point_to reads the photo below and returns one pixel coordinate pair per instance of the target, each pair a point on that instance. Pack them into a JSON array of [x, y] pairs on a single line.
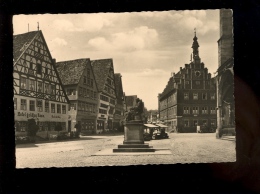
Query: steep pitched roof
[[101, 69], [119, 88], [22, 41], [129, 100], [70, 72]]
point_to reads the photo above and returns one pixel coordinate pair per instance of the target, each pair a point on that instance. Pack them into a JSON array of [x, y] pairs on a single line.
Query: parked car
[[160, 134]]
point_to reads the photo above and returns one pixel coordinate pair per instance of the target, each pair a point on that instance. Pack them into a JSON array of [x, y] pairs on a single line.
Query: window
[[88, 81], [71, 92], [204, 96], [39, 68], [32, 85], [104, 98], [31, 66], [91, 83], [195, 110], [58, 108], [84, 80], [52, 108], [53, 89], [23, 104], [88, 72], [46, 106], [204, 110], [88, 91], [204, 122], [15, 103], [195, 96], [102, 111], [85, 92], [39, 86], [212, 96], [46, 71], [195, 123], [186, 123], [213, 122], [32, 105], [72, 106], [186, 110], [103, 105], [39, 105], [80, 91], [23, 83], [197, 82], [46, 88], [111, 110], [186, 96], [212, 110]]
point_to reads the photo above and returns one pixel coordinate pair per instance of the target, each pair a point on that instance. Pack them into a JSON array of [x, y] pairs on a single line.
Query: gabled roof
[[70, 72], [21, 41], [129, 100], [101, 69], [119, 88]]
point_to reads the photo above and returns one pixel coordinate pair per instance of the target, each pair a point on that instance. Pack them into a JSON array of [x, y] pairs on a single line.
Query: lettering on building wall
[[28, 115]]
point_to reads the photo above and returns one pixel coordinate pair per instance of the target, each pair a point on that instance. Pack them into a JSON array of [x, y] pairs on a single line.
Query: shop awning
[[161, 125], [150, 125]]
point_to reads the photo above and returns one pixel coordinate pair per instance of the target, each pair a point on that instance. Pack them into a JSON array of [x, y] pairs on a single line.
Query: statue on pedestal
[[135, 113]]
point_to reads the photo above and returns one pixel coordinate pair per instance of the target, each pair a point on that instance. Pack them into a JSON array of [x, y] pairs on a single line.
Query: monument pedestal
[[134, 140]]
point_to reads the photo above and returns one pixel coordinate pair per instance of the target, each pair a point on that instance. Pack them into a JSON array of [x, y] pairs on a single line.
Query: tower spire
[[195, 47]]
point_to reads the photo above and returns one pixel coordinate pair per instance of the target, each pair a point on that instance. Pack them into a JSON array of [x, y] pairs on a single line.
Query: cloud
[[137, 39], [59, 42], [65, 25]]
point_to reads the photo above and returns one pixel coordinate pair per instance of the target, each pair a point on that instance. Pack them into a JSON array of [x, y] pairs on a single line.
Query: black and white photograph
[[120, 89]]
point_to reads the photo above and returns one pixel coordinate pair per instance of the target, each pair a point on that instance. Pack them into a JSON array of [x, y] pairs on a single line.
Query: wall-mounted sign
[[28, 115]]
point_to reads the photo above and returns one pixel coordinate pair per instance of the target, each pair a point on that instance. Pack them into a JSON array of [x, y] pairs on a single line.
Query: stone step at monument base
[[134, 150], [134, 146]]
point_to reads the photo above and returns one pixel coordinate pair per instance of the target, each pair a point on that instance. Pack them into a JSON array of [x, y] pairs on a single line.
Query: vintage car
[[160, 134], [148, 131]]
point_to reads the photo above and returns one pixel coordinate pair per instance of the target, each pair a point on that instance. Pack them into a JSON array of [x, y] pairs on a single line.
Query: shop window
[[23, 83], [186, 123], [23, 104], [195, 96], [46, 106], [32, 85], [39, 105], [195, 123], [32, 105], [204, 96], [213, 122], [204, 110], [195, 110], [186, 96], [52, 108], [15, 103], [58, 108], [204, 122]]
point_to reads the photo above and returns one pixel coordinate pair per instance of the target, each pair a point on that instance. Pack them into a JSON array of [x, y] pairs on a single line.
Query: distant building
[[152, 116], [79, 82], [189, 98], [119, 108], [225, 77], [105, 78], [38, 91]]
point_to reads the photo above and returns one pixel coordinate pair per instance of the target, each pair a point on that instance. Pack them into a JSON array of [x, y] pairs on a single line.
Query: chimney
[[180, 68], [202, 65]]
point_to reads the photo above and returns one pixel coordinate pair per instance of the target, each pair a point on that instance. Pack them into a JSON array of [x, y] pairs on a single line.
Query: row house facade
[[79, 82], [119, 108], [105, 78], [38, 91], [189, 98], [225, 76]]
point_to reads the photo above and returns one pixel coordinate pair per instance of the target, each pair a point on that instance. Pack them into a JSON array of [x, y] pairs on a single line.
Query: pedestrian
[[78, 129]]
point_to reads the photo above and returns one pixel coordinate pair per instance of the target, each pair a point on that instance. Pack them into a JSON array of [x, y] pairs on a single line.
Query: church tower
[[195, 47]]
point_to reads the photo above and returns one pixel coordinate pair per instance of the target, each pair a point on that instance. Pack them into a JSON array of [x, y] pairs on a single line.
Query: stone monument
[[133, 131]]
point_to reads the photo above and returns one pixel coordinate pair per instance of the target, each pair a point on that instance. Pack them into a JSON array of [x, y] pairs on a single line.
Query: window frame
[[31, 105]]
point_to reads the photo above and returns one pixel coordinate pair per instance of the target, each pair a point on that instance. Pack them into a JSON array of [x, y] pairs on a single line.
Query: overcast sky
[[145, 46]]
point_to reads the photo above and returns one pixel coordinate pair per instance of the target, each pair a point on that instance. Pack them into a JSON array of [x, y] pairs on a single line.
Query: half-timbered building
[[38, 92], [78, 80], [104, 75]]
